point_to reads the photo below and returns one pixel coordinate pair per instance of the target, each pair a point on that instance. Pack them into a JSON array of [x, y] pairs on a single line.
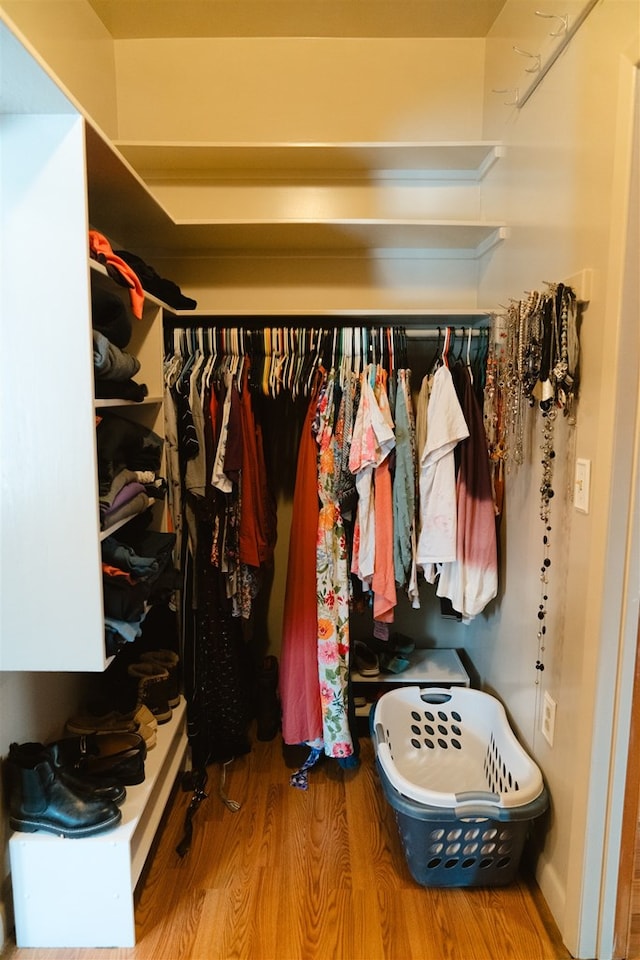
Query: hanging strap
[[197, 781]]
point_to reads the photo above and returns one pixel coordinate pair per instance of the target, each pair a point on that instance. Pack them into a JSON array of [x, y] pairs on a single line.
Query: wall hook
[[516, 96], [533, 56], [564, 21]]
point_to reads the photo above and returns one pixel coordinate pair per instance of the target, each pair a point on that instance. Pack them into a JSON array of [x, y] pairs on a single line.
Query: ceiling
[[137, 19]]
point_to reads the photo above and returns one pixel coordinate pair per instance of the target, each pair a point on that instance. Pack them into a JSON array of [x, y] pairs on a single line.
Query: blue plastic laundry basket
[[463, 790]]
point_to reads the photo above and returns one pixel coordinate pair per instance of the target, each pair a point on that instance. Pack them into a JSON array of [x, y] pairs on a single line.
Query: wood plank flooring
[[315, 875], [633, 942]]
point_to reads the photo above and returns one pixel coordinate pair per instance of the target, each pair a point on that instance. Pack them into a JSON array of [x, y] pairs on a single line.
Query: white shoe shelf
[[79, 893], [438, 667]]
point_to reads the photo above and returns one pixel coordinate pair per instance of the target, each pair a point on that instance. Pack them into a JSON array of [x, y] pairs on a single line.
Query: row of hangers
[[287, 358], [454, 346]]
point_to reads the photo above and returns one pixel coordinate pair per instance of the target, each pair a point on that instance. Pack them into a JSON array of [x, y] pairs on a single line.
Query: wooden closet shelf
[[463, 239], [431, 160], [416, 321]]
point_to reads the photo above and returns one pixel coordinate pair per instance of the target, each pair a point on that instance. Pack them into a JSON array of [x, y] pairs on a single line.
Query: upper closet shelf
[[433, 239], [443, 160], [417, 322]]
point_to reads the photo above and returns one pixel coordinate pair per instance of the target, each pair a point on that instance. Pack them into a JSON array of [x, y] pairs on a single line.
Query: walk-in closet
[[271, 241]]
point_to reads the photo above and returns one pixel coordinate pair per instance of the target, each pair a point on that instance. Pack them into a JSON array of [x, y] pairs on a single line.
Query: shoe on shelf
[[393, 663], [147, 725], [153, 688], [365, 660], [83, 783], [105, 756], [39, 799], [398, 643], [171, 663], [140, 720], [111, 722], [401, 644]]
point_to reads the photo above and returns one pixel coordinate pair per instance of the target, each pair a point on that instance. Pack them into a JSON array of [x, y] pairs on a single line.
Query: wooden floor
[[633, 944], [315, 875]]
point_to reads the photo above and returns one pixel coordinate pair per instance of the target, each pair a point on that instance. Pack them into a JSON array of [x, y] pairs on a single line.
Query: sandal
[[365, 660], [394, 663]]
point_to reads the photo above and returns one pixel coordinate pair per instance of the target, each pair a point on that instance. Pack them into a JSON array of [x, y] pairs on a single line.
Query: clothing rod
[[429, 333], [567, 37], [411, 333]]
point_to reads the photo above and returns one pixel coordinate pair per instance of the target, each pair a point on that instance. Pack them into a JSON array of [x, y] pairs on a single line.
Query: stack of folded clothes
[[165, 290], [114, 368], [129, 460], [137, 572]]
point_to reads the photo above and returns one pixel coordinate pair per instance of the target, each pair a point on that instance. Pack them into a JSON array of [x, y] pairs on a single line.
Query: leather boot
[[41, 800], [83, 783], [153, 688], [169, 661], [105, 757], [268, 704]]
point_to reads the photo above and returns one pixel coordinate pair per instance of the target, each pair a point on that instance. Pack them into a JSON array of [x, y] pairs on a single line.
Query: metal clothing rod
[[432, 333], [567, 37]]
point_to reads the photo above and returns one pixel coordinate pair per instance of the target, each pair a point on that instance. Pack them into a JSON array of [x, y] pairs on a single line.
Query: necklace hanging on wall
[[554, 390], [534, 367], [546, 496]]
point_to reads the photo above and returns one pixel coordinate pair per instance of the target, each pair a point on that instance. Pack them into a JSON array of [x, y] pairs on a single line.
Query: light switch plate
[[548, 724], [582, 485]]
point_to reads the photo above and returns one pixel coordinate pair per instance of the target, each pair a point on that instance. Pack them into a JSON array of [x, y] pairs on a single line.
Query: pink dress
[[299, 687]]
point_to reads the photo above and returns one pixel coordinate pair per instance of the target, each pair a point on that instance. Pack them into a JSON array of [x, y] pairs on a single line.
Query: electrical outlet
[[582, 485], [548, 723]]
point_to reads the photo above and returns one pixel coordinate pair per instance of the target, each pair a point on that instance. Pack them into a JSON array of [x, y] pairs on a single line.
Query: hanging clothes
[[471, 581], [374, 495], [446, 426], [383, 580], [373, 438], [299, 689], [404, 490], [332, 584], [217, 691], [223, 551], [258, 523]]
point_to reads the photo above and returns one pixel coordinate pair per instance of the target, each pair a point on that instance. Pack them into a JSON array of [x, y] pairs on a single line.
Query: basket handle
[[378, 733], [479, 796], [435, 698]]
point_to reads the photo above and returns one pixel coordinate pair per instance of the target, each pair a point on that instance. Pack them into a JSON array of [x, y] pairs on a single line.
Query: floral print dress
[[332, 578]]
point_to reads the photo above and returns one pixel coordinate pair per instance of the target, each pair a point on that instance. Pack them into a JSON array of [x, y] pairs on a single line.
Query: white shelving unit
[[438, 667], [51, 599], [66, 892], [146, 345], [79, 893], [263, 224], [428, 160]]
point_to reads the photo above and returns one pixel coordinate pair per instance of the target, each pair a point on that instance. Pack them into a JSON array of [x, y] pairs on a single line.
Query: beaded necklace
[[533, 366]]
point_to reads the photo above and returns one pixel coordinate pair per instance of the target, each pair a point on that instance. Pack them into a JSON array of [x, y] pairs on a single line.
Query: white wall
[[317, 89], [558, 190], [69, 37], [253, 90]]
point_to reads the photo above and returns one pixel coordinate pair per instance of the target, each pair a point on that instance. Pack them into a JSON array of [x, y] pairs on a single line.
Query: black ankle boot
[[268, 704], [82, 782], [40, 800]]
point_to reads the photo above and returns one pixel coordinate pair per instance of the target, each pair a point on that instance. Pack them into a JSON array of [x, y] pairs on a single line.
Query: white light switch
[[582, 485]]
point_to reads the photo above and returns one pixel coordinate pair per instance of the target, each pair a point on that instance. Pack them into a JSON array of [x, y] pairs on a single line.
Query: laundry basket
[[463, 790]]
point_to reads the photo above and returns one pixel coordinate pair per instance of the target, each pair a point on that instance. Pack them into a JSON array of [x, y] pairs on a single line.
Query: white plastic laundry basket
[[451, 748]]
